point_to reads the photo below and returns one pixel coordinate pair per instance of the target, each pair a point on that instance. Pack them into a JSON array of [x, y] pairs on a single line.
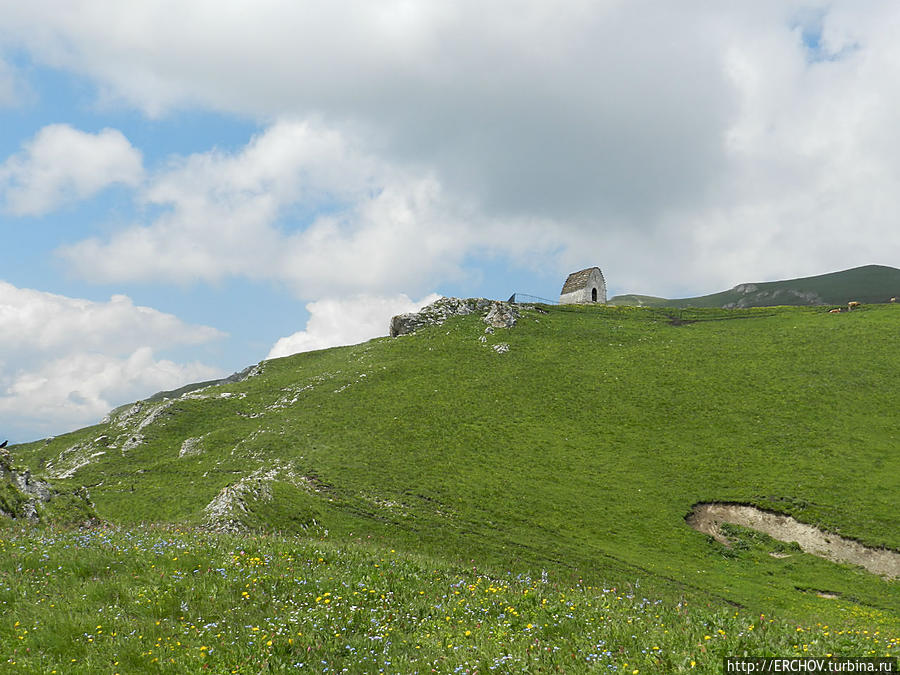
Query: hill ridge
[[867, 283]]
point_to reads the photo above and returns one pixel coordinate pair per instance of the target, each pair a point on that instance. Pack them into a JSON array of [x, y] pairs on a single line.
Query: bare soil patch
[[708, 517]]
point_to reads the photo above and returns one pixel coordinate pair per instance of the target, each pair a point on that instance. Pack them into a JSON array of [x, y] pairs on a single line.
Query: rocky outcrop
[[753, 297], [23, 493], [230, 510], [181, 392], [225, 512], [501, 315], [191, 446], [24, 496], [497, 314]]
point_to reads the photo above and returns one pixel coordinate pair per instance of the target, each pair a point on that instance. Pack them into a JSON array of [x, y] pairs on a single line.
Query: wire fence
[[526, 298]]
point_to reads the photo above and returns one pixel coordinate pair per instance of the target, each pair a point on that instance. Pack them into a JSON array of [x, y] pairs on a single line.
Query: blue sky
[[207, 186]]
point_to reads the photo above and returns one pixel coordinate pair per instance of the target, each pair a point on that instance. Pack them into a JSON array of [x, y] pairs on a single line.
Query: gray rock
[[132, 443], [30, 486], [30, 512], [501, 315], [28, 492], [191, 446], [496, 313]]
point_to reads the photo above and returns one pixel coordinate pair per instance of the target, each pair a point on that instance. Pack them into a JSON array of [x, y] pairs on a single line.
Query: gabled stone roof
[[577, 280]]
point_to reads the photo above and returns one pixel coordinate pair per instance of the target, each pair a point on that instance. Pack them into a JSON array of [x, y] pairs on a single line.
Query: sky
[[189, 187]]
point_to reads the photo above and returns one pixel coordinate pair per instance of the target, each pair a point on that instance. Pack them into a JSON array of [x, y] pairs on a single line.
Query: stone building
[[584, 287]]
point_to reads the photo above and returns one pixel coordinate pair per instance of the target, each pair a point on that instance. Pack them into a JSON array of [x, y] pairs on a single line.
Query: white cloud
[[10, 85], [35, 320], [71, 392], [301, 204], [346, 321], [680, 146], [61, 165], [528, 107], [65, 362]]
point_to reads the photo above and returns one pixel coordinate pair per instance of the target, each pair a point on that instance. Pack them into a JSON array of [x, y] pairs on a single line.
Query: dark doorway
[[593, 295]]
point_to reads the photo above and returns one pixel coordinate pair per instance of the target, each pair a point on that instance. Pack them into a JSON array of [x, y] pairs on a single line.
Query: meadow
[[173, 600], [577, 453]]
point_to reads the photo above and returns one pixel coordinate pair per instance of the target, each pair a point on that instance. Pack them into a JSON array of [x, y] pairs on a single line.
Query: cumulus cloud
[[301, 204], [681, 147], [65, 362], [62, 164], [346, 321], [598, 107]]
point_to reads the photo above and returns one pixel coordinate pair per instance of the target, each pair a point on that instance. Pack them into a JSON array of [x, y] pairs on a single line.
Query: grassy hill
[[868, 284], [581, 449]]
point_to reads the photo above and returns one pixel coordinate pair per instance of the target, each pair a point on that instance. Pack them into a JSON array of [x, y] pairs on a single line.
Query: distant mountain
[[867, 284]]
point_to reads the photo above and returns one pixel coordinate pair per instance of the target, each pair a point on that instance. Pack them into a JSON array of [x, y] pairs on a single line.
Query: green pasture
[[170, 600], [579, 451]]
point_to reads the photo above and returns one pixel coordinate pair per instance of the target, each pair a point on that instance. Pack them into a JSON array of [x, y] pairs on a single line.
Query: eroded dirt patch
[[708, 517]]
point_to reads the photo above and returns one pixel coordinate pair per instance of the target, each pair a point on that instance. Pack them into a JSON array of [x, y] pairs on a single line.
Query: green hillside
[[170, 600], [580, 450], [868, 284]]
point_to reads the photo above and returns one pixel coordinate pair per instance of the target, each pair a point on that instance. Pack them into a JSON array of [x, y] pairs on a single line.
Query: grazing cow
[[853, 304], [835, 311]]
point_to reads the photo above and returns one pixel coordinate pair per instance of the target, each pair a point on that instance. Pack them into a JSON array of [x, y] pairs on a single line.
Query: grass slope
[[168, 600], [868, 284], [579, 451]]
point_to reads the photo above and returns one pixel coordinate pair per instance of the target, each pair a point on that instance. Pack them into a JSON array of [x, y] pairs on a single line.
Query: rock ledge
[[497, 314]]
